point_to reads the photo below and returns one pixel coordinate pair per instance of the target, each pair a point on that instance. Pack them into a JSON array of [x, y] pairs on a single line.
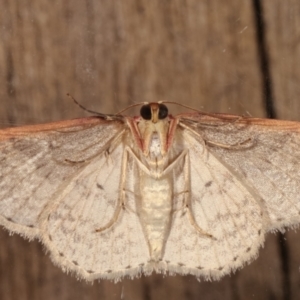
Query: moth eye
[[145, 112], [163, 111]]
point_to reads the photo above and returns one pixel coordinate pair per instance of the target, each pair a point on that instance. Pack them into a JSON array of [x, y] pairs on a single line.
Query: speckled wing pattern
[[87, 203], [238, 180], [244, 181], [34, 166], [264, 157], [223, 207]]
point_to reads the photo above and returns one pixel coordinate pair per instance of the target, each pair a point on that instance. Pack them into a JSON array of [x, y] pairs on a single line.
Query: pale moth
[[112, 196]]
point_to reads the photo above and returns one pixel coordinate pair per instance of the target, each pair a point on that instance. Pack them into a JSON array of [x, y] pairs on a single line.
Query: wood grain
[[109, 54]]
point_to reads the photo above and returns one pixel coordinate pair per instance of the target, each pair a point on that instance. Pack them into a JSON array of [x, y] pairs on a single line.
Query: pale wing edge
[[26, 232], [163, 268]]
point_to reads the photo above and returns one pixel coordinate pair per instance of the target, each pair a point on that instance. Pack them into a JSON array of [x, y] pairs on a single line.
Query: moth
[[112, 195]]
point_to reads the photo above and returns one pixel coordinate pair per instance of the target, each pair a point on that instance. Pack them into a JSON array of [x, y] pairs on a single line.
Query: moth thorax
[[155, 145]]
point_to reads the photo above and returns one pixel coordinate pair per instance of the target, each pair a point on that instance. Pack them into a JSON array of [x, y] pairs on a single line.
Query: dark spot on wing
[[235, 258], [51, 146], [199, 267], [30, 226], [243, 173], [40, 166], [90, 271], [61, 254], [128, 267], [100, 186], [183, 213], [266, 160], [208, 183], [259, 232], [75, 262], [180, 264], [50, 237], [10, 220], [220, 268], [108, 271], [279, 219], [20, 147], [248, 249]]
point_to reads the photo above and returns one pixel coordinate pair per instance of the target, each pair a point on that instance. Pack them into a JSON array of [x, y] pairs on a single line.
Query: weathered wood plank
[[283, 33]]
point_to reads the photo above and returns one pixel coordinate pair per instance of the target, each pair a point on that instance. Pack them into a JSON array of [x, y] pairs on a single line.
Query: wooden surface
[[211, 55]]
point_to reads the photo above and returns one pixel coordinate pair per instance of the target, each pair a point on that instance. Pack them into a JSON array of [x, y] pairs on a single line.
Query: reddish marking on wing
[[270, 124], [171, 133], [132, 123], [81, 123]]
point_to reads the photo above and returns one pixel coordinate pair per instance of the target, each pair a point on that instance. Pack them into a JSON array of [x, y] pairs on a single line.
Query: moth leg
[[121, 198], [181, 205], [128, 208], [141, 165], [170, 167], [187, 202], [237, 146]]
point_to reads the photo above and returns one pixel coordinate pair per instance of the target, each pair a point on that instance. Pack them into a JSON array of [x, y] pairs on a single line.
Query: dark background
[[218, 56]]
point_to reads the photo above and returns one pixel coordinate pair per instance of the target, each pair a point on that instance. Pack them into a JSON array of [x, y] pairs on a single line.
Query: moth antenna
[[182, 105], [105, 116], [82, 107], [162, 101], [214, 115], [131, 106]]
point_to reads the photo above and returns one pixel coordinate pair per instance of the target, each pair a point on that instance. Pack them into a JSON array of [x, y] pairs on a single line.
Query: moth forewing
[[34, 165], [269, 166]]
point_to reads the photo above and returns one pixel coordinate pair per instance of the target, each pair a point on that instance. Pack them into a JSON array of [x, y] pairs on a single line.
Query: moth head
[[153, 126], [154, 112]]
